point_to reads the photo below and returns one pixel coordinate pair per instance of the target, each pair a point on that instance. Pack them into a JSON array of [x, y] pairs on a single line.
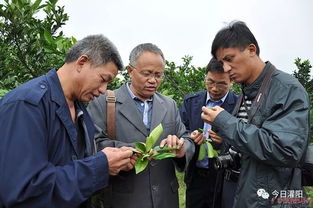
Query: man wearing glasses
[[139, 109], [204, 183]]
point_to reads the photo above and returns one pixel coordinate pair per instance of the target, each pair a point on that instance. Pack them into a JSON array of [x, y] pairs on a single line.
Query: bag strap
[[260, 96], [111, 100]]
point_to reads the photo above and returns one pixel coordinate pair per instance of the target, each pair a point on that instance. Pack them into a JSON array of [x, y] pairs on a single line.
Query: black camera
[[228, 160]]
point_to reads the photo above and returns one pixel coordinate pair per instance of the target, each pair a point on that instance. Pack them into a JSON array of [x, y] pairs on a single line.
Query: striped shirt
[[244, 108]]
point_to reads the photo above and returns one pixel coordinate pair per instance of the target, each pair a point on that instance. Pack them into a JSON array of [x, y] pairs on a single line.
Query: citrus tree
[[30, 45]]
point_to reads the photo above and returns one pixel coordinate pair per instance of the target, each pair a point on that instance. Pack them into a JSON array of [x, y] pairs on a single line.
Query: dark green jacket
[[271, 147]]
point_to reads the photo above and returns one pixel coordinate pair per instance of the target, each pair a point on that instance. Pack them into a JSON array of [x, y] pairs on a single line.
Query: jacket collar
[[63, 112], [130, 112], [252, 90]]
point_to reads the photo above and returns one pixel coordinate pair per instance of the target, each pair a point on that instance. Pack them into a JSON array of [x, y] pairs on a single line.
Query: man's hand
[[209, 114], [133, 159], [175, 142], [215, 138], [118, 159], [197, 137]]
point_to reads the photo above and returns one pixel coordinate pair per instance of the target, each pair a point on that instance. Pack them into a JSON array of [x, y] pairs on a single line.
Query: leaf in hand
[[153, 137], [141, 164], [211, 151], [164, 155], [201, 152], [140, 146], [164, 149]]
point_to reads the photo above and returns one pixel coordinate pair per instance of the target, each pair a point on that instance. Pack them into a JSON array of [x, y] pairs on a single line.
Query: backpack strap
[[111, 100]]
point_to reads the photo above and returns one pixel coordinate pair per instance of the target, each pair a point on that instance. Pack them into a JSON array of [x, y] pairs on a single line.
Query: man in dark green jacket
[[270, 128]]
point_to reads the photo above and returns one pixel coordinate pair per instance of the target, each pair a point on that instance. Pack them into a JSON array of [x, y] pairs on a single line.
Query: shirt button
[[154, 188], [42, 86], [142, 104]]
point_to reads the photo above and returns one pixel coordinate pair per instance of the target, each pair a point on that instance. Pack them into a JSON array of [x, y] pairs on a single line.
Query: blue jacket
[[190, 113], [38, 149]]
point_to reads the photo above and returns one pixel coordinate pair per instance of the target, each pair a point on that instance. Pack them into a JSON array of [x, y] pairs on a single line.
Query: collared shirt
[[209, 103], [143, 107]]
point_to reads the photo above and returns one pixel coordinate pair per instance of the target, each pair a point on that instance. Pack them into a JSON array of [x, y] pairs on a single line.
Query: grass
[[181, 190]]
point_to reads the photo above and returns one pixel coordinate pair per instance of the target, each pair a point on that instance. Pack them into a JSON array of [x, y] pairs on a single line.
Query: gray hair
[[99, 49], [139, 49]]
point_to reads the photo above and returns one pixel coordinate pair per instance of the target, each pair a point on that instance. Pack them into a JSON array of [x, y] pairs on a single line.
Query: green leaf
[[140, 146], [201, 152], [154, 136], [48, 36], [141, 164], [211, 151], [35, 5], [164, 155], [200, 130], [164, 149]]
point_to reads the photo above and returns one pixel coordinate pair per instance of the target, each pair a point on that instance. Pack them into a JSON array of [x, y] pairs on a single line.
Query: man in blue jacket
[[47, 156], [203, 181]]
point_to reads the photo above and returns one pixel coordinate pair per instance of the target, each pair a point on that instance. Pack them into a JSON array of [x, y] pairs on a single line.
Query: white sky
[[283, 28]]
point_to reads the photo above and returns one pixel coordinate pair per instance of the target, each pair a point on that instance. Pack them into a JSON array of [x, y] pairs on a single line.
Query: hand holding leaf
[[211, 152], [197, 136], [172, 141], [146, 152]]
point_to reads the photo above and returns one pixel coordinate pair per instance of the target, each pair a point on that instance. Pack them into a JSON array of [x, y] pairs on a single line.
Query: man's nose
[[103, 88], [226, 67]]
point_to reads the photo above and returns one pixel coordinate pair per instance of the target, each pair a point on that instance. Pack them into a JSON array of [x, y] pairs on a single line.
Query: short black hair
[[215, 66], [235, 35]]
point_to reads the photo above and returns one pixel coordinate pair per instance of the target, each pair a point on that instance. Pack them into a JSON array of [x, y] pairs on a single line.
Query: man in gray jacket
[[270, 129], [139, 109]]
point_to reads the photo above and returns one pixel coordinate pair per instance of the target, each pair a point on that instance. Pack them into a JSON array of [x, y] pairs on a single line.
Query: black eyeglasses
[[212, 83], [150, 75]]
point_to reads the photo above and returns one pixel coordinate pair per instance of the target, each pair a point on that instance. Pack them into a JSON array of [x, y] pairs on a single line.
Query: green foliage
[[210, 152], [29, 45], [3, 92], [304, 77], [147, 152], [182, 80]]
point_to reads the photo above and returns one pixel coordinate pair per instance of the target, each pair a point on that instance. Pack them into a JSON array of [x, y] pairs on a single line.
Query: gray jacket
[[156, 186], [271, 147]]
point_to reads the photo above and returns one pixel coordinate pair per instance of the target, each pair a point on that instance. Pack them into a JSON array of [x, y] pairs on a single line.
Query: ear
[[129, 69], [82, 60], [252, 49]]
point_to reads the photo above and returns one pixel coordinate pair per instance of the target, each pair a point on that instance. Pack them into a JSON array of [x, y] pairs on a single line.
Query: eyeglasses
[[212, 83], [150, 75]]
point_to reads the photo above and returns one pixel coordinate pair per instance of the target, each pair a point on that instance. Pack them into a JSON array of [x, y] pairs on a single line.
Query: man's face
[[217, 84], [94, 80], [237, 63], [146, 74]]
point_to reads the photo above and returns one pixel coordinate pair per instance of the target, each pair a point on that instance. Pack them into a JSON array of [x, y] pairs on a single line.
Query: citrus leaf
[[163, 155], [140, 146], [153, 137], [141, 164], [164, 149], [211, 152], [200, 130], [201, 152]]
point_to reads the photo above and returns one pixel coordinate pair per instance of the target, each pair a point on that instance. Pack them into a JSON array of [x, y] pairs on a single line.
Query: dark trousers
[[228, 196], [204, 189]]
